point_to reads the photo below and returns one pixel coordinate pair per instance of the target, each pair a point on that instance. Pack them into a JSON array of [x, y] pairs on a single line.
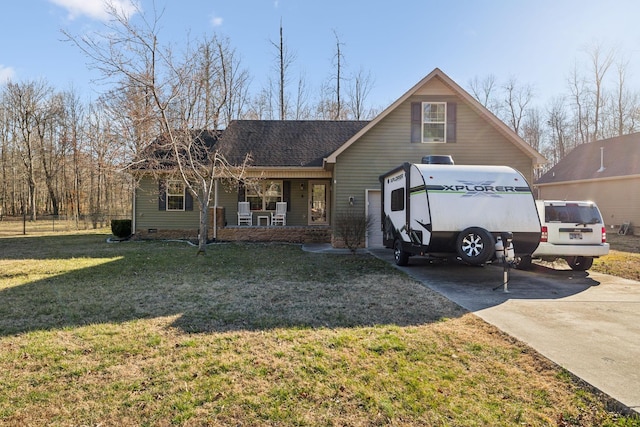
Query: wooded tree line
[[599, 102], [61, 155], [58, 156]]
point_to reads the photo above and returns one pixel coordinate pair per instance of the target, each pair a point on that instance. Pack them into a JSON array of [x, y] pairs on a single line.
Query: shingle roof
[[158, 155], [292, 143], [620, 157]]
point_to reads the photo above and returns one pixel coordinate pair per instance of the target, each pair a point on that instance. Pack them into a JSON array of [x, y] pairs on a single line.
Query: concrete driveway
[[587, 323]]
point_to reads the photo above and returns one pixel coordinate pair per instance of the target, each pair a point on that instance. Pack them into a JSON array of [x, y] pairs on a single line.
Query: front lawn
[[147, 333]]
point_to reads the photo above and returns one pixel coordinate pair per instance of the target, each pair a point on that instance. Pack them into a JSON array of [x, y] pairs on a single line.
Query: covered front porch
[[306, 193]]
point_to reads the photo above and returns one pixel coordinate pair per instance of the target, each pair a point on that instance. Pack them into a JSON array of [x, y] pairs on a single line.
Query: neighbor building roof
[[607, 158], [285, 143]]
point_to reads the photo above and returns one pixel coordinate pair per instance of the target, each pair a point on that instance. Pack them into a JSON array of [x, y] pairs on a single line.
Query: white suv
[[573, 230]]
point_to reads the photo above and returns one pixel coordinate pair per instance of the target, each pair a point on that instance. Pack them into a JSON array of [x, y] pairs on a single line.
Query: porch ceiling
[[302, 173]]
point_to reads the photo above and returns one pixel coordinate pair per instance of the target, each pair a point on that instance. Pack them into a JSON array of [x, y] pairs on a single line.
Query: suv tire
[[579, 263], [524, 263]]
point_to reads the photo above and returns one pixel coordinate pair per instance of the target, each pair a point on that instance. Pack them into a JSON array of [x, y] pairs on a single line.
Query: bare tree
[[517, 100], [589, 95], [532, 129], [285, 59], [72, 127], [131, 110], [338, 57], [484, 90], [27, 103], [261, 107], [359, 88], [187, 94], [579, 97], [600, 63], [5, 161], [624, 103], [51, 148], [558, 124], [302, 110], [238, 80]]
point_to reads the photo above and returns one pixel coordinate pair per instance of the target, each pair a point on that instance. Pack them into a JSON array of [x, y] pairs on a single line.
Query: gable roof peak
[[536, 157]]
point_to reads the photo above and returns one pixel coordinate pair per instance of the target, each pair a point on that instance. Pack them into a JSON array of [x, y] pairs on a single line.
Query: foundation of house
[[289, 234]]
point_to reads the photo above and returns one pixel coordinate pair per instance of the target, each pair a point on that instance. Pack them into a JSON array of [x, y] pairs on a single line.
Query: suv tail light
[[544, 236], [604, 235]]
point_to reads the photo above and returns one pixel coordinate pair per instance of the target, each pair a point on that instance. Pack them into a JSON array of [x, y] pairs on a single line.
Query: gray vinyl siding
[[618, 199], [149, 216], [388, 144]]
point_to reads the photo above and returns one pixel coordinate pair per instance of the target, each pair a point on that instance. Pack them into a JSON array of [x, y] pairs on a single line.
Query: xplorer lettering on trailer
[[477, 189]]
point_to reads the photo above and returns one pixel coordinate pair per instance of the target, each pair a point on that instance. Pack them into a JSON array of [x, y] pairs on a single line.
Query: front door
[[318, 202]]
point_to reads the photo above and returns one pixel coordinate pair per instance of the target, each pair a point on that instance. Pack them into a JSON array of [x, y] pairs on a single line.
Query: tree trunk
[[203, 229], [32, 199]]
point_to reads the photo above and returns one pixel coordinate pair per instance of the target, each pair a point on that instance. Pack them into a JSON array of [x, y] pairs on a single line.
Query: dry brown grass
[[146, 333], [623, 259]]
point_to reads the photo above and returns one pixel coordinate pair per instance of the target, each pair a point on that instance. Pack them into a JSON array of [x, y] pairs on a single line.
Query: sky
[[537, 42]]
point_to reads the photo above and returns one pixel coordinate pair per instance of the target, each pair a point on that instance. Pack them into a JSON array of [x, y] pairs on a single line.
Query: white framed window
[[434, 121], [175, 195], [264, 195]]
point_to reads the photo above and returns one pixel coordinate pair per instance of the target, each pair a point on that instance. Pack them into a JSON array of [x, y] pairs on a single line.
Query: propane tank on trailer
[[499, 249], [509, 252]]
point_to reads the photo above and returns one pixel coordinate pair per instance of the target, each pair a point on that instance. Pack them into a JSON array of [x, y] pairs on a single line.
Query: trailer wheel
[[580, 263], [475, 245], [399, 254]]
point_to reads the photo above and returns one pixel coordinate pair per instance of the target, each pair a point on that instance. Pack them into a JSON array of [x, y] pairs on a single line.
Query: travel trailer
[[466, 211]]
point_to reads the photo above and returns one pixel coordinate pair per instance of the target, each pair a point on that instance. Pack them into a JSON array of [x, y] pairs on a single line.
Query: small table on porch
[[266, 219]]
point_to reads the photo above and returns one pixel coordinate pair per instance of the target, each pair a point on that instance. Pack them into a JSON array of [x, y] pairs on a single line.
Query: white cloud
[[6, 74], [216, 21], [95, 9]]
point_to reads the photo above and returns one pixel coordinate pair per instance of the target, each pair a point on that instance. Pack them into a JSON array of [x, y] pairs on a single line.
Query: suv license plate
[[575, 236]]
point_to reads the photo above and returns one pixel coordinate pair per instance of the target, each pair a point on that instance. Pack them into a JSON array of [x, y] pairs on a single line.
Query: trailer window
[[397, 199]]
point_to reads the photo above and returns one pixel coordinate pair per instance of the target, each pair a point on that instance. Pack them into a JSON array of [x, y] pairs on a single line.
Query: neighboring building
[[321, 168], [606, 171]]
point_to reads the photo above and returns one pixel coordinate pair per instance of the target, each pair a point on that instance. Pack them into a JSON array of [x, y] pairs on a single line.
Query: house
[[321, 168], [605, 171]]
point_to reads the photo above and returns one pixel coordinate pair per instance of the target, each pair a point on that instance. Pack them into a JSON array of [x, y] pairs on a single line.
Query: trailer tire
[[475, 245], [400, 255]]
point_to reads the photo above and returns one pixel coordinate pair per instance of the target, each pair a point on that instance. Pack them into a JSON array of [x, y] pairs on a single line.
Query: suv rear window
[[573, 213]]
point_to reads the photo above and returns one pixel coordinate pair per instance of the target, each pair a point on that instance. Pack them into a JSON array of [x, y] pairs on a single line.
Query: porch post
[[215, 210]]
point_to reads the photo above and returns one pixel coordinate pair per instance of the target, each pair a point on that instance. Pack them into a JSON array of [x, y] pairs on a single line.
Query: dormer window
[[434, 121]]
